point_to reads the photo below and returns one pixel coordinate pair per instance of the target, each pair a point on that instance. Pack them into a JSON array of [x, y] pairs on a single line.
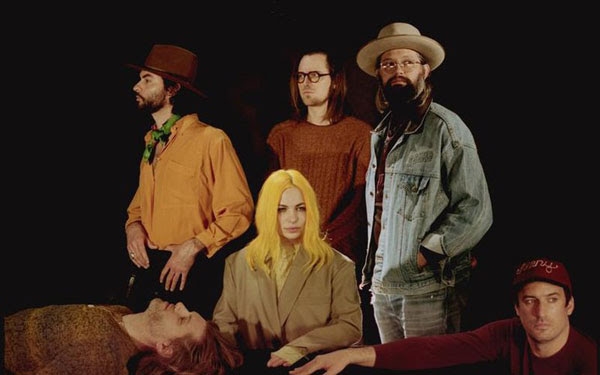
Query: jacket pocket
[[414, 189]]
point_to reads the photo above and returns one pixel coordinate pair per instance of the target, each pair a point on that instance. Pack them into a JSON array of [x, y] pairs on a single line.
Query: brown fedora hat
[[174, 63], [399, 35]]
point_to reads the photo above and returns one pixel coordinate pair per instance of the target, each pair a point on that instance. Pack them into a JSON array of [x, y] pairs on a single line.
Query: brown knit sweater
[[334, 159], [67, 340]]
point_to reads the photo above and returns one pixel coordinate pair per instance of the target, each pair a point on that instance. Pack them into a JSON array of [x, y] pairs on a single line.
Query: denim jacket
[[435, 195]]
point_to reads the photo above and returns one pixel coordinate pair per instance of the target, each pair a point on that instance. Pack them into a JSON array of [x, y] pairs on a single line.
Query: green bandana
[[157, 135]]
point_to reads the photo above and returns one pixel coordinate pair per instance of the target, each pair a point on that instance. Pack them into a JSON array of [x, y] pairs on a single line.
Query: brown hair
[[213, 355], [337, 106]]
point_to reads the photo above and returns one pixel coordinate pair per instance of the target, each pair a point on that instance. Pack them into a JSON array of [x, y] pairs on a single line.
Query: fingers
[[313, 366], [139, 258], [134, 258], [276, 362], [183, 279], [171, 278]]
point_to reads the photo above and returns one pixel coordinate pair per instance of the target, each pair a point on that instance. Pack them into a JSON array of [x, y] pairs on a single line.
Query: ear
[[164, 348], [427, 70], [174, 89], [571, 306]]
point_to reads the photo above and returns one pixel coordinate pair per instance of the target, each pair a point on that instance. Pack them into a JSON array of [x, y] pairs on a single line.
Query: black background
[[515, 76]]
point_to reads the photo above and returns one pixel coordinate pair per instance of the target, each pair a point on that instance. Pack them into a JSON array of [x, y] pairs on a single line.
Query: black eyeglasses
[[314, 77]]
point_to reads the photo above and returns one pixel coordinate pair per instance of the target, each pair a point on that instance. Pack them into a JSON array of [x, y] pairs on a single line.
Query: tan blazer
[[318, 310]]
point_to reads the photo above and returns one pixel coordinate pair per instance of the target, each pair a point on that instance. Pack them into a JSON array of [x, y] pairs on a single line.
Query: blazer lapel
[[267, 294], [293, 285]]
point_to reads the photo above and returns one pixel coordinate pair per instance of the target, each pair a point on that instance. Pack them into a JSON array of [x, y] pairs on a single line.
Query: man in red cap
[[193, 197], [540, 340]]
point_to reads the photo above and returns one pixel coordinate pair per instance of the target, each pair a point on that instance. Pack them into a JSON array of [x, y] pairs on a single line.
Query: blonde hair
[[264, 250]]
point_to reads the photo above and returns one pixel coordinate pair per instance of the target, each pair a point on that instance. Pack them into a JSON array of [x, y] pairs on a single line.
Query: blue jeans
[[401, 316]]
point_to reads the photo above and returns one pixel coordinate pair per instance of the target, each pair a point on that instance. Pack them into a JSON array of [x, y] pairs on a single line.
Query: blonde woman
[[288, 293]]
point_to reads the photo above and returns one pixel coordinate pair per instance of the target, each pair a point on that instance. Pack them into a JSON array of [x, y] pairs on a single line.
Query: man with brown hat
[[428, 203], [539, 341], [193, 197]]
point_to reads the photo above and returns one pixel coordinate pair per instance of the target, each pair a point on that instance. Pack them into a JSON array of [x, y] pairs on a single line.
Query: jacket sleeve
[[469, 211], [225, 313], [345, 326]]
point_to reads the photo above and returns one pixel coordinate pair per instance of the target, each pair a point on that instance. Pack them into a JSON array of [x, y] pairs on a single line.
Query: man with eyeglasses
[[328, 146], [428, 203]]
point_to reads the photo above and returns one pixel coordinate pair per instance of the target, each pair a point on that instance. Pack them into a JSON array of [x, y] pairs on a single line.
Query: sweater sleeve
[[487, 343]]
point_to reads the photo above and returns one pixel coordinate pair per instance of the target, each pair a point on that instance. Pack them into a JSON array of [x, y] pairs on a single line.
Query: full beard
[[151, 104], [400, 96], [148, 106]]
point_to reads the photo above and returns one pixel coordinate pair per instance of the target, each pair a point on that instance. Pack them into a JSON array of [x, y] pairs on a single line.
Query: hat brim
[[171, 77], [432, 51], [519, 284]]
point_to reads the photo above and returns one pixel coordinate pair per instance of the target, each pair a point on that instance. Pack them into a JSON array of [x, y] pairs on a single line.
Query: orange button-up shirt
[[196, 188]]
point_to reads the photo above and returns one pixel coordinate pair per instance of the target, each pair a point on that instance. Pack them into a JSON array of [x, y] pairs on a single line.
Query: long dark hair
[[338, 106]]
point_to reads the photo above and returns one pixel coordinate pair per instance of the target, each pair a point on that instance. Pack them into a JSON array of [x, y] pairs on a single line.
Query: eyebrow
[[553, 294], [147, 75]]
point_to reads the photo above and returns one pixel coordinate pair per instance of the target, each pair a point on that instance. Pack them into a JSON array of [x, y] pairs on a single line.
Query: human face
[[150, 93], [173, 321], [314, 94], [291, 215], [544, 313], [403, 84]]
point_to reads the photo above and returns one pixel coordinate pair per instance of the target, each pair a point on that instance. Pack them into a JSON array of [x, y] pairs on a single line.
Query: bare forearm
[[335, 362], [363, 356]]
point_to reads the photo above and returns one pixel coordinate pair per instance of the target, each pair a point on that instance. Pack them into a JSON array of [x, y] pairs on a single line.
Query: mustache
[[394, 80]]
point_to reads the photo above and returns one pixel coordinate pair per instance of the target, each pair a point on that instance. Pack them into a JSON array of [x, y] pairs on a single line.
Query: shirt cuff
[[291, 354]]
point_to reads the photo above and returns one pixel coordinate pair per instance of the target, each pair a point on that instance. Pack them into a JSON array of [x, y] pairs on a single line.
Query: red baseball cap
[[543, 270]]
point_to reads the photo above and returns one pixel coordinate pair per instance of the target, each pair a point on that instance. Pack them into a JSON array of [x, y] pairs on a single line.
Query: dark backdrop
[[513, 76]]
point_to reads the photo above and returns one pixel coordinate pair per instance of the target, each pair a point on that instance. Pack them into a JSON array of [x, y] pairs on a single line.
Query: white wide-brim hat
[[399, 35]]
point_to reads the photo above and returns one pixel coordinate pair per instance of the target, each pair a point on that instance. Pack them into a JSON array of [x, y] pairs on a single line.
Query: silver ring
[[132, 255]]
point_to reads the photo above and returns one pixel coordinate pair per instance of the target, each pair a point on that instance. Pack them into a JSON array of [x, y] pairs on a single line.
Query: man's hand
[[333, 363], [137, 240], [179, 264]]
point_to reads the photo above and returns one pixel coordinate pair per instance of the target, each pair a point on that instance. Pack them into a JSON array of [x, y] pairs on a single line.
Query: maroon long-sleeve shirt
[[500, 341]]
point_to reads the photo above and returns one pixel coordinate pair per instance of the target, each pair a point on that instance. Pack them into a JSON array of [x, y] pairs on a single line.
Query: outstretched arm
[[333, 363]]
